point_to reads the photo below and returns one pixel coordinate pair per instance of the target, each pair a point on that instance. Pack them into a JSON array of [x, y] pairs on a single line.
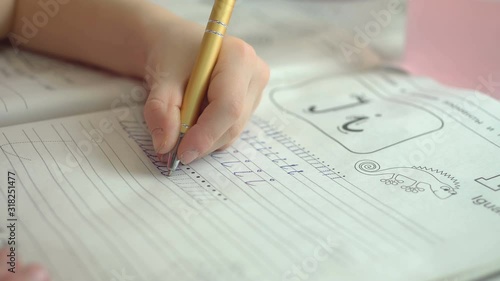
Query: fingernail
[[161, 157], [165, 157], [189, 156], [158, 140]]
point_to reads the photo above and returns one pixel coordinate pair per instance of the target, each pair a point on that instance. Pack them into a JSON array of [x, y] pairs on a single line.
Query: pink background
[[456, 42]]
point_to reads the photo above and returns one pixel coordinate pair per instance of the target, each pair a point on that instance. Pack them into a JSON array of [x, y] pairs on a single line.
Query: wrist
[[166, 35]]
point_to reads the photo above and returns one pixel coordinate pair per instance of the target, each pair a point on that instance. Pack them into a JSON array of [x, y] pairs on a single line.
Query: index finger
[[226, 97]]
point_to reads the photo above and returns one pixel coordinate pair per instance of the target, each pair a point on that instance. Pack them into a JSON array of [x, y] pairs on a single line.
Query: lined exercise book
[[337, 177], [364, 176]]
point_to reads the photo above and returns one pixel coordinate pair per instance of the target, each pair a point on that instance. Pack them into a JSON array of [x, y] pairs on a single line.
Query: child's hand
[[22, 272], [234, 92], [138, 38]]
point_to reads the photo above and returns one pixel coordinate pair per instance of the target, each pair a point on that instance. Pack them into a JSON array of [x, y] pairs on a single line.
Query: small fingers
[[227, 101], [217, 118], [162, 115], [232, 134], [261, 79], [256, 88], [233, 95]]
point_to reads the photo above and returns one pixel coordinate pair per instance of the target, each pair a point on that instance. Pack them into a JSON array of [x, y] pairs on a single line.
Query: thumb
[[162, 115]]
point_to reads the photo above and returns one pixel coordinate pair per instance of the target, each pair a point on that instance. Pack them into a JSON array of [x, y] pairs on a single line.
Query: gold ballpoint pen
[[202, 71]]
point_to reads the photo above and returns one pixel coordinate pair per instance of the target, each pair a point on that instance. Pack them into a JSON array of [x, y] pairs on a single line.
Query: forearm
[[6, 16], [112, 34]]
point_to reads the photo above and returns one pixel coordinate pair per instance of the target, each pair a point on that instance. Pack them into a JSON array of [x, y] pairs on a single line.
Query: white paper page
[[422, 135], [34, 87], [299, 197]]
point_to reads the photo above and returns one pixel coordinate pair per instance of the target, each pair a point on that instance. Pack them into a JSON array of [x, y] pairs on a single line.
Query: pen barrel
[[205, 62]]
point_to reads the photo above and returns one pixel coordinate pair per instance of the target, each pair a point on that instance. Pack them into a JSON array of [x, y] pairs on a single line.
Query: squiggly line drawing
[[12, 154], [411, 179], [27, 142]]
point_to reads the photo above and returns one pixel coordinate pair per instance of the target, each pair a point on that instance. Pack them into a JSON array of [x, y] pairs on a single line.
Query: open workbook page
[[374, 176]]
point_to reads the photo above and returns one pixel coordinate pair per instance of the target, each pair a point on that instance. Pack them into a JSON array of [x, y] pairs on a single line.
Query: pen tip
[[172, 163], [171, 158]]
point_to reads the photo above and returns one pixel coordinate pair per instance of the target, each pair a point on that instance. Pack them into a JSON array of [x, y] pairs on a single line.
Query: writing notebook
[[373, 176]]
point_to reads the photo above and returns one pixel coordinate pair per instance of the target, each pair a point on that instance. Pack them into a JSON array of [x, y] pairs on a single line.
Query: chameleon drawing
[[411, 179]]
